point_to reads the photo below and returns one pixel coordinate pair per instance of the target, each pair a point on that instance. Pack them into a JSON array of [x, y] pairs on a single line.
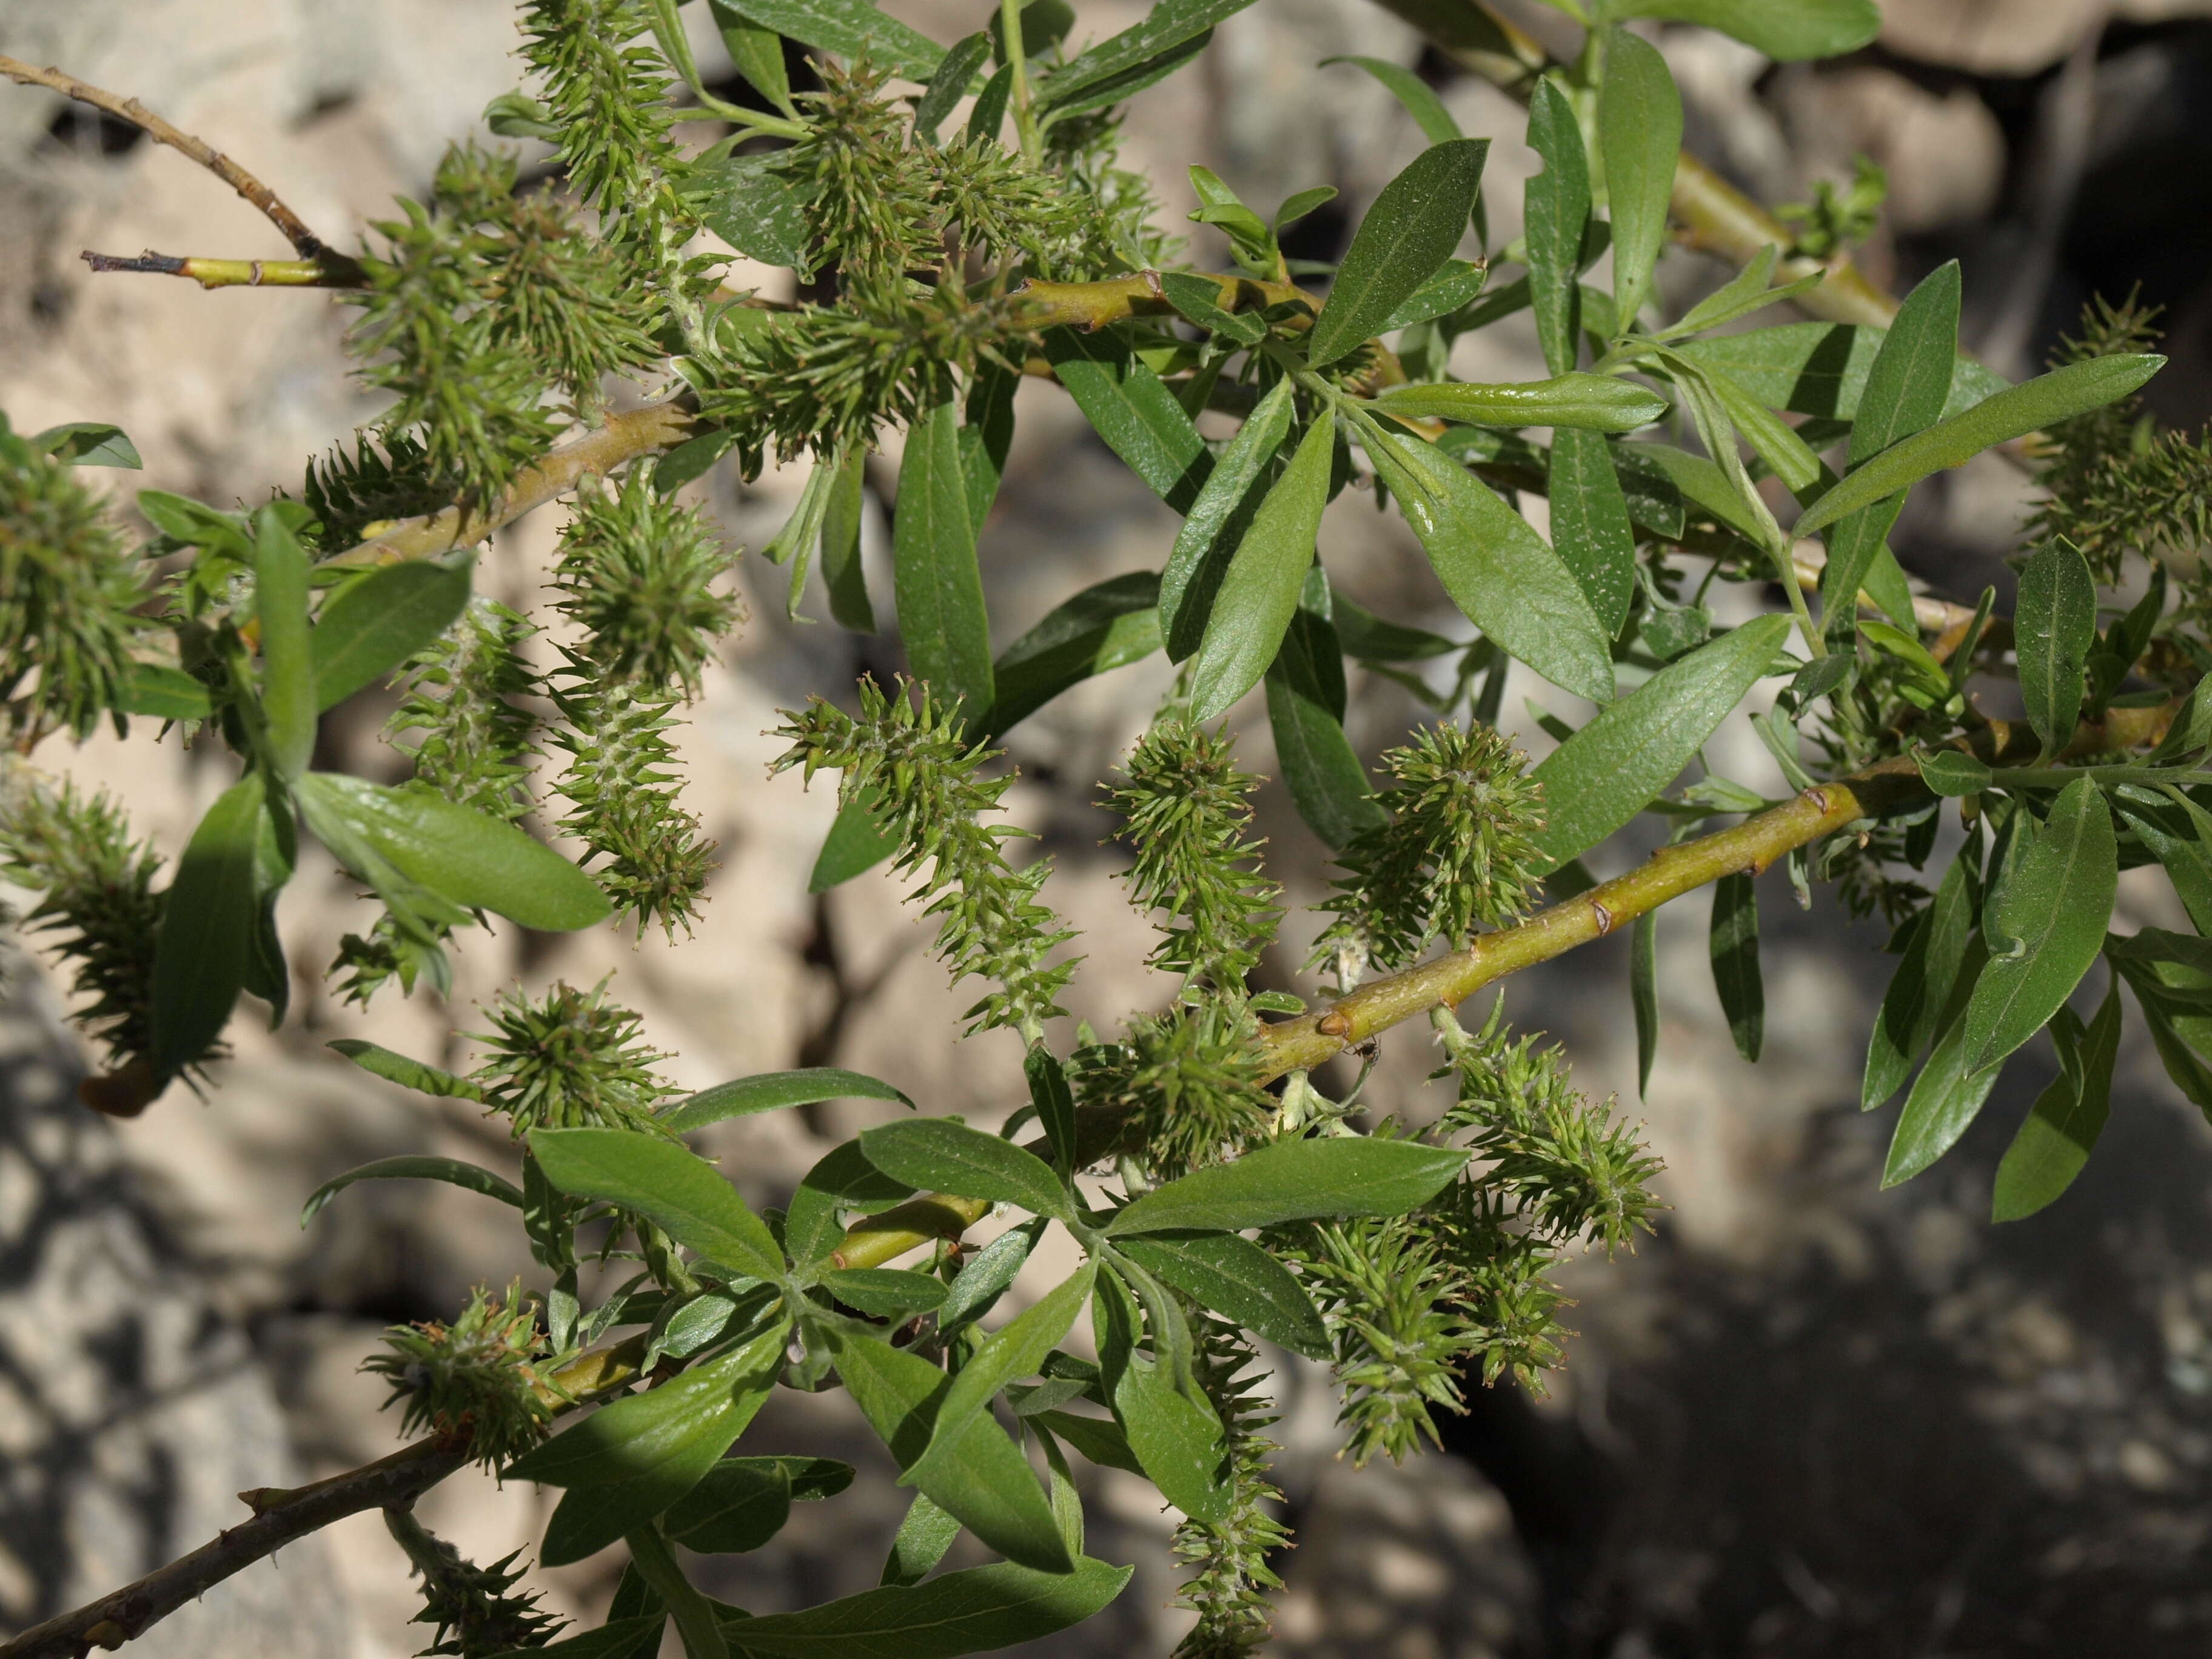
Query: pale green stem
[[1025, 126]]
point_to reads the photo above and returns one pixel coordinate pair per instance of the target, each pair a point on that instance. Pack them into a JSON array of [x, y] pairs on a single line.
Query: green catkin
[[569, 1059], [477, 1612], [474, 1379], [1228, 1562]]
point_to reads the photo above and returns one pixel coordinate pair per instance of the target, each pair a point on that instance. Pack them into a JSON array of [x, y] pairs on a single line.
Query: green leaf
[[1295, 1181], [2054, 625], [408, 1073], [1100, 1442], [451, 1170], [370, 627], [1590, 523], [1197, 300], [971, 1611], [1557, 204], [1746, 292], [1105, 94], [1857, 545], [1237, 1278], [87, 443], [1174, 1436], [1613, 768], [1822, 368], [1639, 120], [1504, 577], [843, 1180], [1592, 403], [1921, 990], [1126, 406], [208, 918], [936, 1151], [1909, 381], [982, 1478], [661, 1180], [164, 693], [920, 1542], [976, 1288], [2183, 849], [2061, 1129], [1218, 519], [941, 614], [1017, 1350], [1416, 222], [884, 1293], [760, 205], [1419, 99], [1054, 1103], [1367, 637], [842, 572], [1947, 1094], [1107, 626], [1455, 285], [2170, 992], [1259, 589], [772, 1091], [2049, 921], [470, 857], [2013, 413], [1327, 782], [1734, 949], [1951, 773], [741, 1503], [949, 84], [1788, 31], [855, 843], [288, 670], [628, 1462], [1643, 994], [851, 28], [758, 53], [1696, 480], [1169, 25]]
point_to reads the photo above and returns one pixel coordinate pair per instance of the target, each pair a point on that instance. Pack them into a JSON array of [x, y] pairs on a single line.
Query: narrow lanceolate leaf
[[409, 1073], [773, 1091], [1948, 1093], [1735, 962], [2053, 628], [851, 28], [370, 627], [935, 1151], [416, 1167], [742, 1503], [919, 1543], [1788, 31], [1610, 770], [1238, 1279], [1259, 589], [2013, 413], [949, 84], [1126, 406], [470, 857], [2061, 1129], [1170, 24], [288, 666], [971, 1611], [1419, 98], [1921, 988], [1643, 994], [1501, 574], [1107, 626], [982, 1478], [1857, 544], [2049, 918], [1414, 225], [1327, 784], [1054, 1100], [207, 928], [856, 842], [1173, 1431], [687, 1196], [1557, 206], [1590, 530], [941, 614], [1639, 119], [842, 571], [1593, 402], [628, 1462], [1910, 380], [1218, 521], [1016, 1351], [1820, 368], [1295, 1181]]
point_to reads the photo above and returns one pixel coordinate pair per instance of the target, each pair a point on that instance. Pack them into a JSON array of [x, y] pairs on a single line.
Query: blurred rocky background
[[1810, 1417]]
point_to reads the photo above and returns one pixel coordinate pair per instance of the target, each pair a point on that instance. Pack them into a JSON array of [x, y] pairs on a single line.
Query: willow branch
[[625, 437], [309, 247], [235, 273], [1090, 305], [283, 1516], [1749, 848]]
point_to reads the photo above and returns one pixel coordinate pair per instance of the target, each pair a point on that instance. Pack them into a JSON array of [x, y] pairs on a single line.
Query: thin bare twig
[[309, 247]]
